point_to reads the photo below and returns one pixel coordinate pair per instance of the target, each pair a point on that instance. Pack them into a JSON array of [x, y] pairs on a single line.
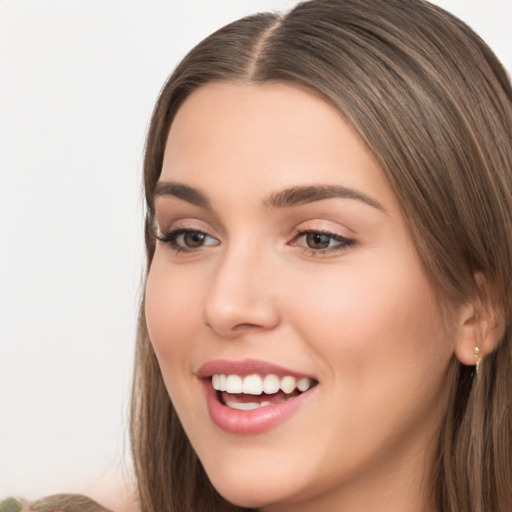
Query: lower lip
[[255, 421]]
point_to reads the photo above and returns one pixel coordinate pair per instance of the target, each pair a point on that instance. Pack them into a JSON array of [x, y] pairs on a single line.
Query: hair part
[[434, 105]]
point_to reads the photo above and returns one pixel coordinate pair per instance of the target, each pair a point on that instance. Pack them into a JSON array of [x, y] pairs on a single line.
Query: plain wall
[[78, 80]]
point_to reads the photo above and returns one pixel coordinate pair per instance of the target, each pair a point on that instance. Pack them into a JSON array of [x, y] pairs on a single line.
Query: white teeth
[[271, 384], [248, 406], [255, 385], [303, 384], [233, 384], [288, 384]]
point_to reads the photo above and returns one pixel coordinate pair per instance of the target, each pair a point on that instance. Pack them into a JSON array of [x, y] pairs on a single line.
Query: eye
[[318, 240], [182, 239], [321, 242]]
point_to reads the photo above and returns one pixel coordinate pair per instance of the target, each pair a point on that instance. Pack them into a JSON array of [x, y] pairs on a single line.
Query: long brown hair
[[434, 105]]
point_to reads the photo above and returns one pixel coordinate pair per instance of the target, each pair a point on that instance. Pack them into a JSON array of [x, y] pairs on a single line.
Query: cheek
[[379, 336], [170, 306], [369, 319]]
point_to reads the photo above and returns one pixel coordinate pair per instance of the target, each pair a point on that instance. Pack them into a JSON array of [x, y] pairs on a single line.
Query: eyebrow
[[293, 196], [181, 191]]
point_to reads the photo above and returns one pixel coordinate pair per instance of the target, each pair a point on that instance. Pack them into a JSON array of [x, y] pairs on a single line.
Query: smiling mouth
[[250, 392]]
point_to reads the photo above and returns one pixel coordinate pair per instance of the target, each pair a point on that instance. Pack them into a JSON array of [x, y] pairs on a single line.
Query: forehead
[[258, 137]]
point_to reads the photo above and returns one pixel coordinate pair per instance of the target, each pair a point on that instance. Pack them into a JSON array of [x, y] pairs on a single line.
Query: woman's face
[[284, 270]]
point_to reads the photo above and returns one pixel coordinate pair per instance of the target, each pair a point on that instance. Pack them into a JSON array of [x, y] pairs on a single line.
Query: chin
[[250, 489]]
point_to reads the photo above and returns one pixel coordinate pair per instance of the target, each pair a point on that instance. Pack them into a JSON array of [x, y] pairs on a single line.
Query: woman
[[326, 323], [329, 252]]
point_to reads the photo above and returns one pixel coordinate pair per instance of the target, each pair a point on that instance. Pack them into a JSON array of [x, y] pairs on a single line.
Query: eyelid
[[163, 236], [191, 223]]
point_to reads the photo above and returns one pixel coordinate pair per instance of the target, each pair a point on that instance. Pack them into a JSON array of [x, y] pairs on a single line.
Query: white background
[[78, 80]]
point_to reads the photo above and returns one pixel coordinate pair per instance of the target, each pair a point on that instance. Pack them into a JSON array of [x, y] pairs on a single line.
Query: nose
[[240, 296]]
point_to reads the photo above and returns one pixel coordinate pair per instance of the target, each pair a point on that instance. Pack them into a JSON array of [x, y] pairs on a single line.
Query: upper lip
[[245, 367]]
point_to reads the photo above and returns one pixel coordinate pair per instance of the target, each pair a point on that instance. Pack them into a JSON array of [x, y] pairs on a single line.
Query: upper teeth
[[255, 385]]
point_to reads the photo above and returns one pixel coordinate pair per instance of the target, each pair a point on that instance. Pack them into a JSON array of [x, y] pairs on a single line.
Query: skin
[[362, 318]]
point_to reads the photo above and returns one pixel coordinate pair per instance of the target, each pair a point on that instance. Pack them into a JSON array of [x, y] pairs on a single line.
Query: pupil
[[317, 240], [194, 239]]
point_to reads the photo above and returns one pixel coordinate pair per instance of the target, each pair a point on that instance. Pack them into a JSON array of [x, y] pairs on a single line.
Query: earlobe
[[479, 331], [468, 337]]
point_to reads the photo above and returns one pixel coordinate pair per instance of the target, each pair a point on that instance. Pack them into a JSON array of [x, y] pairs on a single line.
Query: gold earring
[[478, 358]]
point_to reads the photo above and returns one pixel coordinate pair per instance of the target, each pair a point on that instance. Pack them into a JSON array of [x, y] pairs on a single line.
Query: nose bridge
[[240, 294]]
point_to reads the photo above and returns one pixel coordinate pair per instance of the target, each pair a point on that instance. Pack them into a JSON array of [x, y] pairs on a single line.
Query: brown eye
[[193, 239], [182, 240], [318, 240]]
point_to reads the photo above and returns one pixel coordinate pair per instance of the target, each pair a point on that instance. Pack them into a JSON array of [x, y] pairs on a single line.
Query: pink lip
[[244, 367], [255, 421]]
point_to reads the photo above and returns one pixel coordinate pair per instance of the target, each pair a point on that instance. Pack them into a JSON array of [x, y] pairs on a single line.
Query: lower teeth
[[249, 406]]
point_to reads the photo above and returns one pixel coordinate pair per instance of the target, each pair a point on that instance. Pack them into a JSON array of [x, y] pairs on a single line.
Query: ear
[[480, 325]]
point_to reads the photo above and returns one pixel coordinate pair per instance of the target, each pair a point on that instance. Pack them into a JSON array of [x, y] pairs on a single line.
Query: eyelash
[[343, 243]]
